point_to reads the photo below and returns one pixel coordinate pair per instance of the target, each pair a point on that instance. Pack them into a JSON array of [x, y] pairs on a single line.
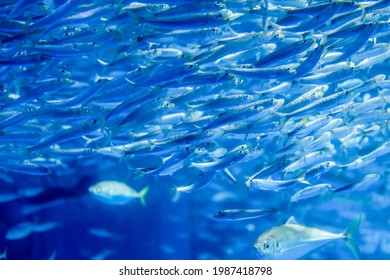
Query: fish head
[[220, 214], [213, 32], [168, 105], [248, 183], [233, 79], [266, 248], [97, 190], [330, 164], [190, 68], [316, 95]]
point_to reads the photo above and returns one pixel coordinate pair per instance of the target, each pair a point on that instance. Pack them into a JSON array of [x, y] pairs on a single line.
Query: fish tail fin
[[303, 181], [331, 192], [350, 235], [229, 175], [142, 195]]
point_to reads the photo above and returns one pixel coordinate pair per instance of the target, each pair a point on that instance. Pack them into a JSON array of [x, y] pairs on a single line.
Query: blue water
[[51, 155]]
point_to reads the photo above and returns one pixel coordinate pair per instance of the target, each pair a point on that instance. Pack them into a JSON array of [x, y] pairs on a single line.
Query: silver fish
[[293, 240]]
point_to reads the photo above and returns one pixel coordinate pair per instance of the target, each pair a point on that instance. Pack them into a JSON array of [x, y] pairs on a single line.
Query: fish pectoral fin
[[292, 221]]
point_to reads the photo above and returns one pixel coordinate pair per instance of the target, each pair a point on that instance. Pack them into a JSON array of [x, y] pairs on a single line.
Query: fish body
[[362, 183], [312, 191], [242, 214], [319, 169], [273, 185], [293, 240], [116, 193], [322, 104], [230, 158], [193, 20], [273, 168], [202, 181], [330, 77], [203, 35], [368, 158], [264, 73], [306, 160], [284, 53], [67, 134], [24, 229]]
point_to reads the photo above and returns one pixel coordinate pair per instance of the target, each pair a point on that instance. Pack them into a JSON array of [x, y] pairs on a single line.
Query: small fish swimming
[[312, 191], [242, 214], [361, 184], [24, 229], [117, 193], [293, 240], [273, 185]]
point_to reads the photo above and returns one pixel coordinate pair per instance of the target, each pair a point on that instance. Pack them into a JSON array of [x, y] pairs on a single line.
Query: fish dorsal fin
[[292, 221]]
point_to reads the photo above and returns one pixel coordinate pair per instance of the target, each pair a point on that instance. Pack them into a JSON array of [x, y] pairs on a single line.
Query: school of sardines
[[272, 115]]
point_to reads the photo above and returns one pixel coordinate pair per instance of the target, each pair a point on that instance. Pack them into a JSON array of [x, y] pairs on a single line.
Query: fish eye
[[219, 214], [94, 121], [266, 246], [213, 29]]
